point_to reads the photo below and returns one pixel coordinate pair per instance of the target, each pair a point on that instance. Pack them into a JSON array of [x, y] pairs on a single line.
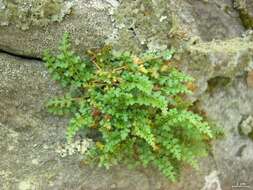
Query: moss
[[251, 135], [217, 83], [27, 13], [246, 19], [244, 13]]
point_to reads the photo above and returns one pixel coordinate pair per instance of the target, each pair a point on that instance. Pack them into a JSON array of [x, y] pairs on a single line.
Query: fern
[[135, 103]]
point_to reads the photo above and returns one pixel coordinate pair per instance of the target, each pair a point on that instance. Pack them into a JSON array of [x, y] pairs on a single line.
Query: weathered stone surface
[[128, 25], [228, 107], [208, 19], [26, 13], [225, 96], [88, 25], [217, 62]]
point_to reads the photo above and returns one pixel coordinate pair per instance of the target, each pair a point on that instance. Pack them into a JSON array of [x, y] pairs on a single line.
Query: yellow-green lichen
[[226, 58], [231, 46], [27, 13]]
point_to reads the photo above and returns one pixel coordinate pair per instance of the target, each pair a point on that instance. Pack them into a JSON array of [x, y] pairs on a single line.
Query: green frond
[[135, 103]]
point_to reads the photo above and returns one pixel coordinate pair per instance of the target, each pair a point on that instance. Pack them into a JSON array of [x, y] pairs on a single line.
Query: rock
[[208, 19], [127, 25], [227, 107], [214, 64], [24, 14], [87, 23]]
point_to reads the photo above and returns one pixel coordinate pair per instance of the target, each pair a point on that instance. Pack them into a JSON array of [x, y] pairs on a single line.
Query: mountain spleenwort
[[136, 103]]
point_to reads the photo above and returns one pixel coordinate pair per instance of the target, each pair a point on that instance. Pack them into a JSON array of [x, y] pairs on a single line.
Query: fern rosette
[[136, 104]]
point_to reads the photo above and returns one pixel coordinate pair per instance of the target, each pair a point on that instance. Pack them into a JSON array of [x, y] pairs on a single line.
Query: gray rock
[[160, 24], [227, 106], [209, 19], [26, 13], [87, 23], [217, 63], [127, 25]]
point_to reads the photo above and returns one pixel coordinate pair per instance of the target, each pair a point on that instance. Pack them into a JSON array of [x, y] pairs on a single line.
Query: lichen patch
[[26, 13]]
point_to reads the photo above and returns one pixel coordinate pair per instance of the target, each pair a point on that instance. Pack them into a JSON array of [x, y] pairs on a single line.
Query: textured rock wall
[[229, 106], [23, 13], [89, 25], [213, 46], [132, 25]]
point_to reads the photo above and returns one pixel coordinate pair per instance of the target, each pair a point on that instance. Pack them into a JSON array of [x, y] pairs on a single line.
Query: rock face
[[207, 35], [208, 19], [230, 106], [88, 24], [127, 25], [24, 14], [217, 63]]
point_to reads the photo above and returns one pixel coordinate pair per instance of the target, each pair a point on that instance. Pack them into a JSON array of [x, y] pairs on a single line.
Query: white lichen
[[2, 5], [247, 126], [212, 182], [76, 147], [26, 13], [162, 18], [25, 185]]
